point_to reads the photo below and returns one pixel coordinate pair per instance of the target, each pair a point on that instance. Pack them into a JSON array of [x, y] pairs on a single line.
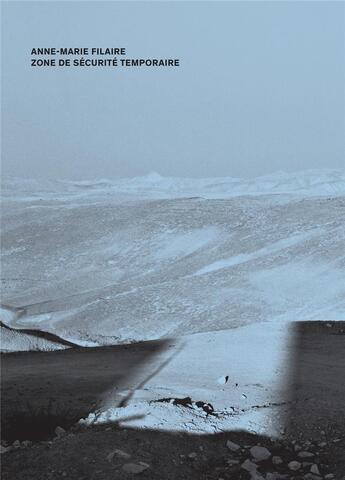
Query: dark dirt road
[[41, 390]]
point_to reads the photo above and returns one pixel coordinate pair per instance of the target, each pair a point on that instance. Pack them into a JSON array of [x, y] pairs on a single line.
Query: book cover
[[173, 240]]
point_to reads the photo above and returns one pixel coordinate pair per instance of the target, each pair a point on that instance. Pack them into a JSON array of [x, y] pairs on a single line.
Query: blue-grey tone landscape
[[173, 243]]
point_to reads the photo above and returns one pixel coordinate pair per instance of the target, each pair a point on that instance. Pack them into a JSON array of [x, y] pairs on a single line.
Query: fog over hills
[[112, 261]]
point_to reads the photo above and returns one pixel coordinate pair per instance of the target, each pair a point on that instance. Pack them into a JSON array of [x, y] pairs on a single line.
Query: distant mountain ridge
[[318, 182]]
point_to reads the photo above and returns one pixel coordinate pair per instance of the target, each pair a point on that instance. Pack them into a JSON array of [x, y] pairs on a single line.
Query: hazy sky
[[261, 88]]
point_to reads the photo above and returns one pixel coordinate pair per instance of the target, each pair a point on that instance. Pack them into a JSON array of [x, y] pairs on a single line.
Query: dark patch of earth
[[83, 454]]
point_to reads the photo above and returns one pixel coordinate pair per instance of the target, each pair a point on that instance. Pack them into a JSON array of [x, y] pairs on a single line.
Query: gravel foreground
[[110, 452]]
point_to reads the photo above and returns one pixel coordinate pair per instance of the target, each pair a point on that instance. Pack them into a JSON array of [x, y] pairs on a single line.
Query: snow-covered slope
[[18, 341], [116, 261]]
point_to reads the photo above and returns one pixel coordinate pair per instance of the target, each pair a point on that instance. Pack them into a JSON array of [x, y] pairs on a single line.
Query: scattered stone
[[118, 453], [276, 476], [277, 460], [260, 453], [329, 476], [305, 454], [206, 407], [249, 466], [59, 431], [232, 462], [271, 476], [26, 443], [223, 380], [297, 448], [322, 444], [294, 465], [337, 440], [315, 469], [232, 446], [16, 444], [192, 455], [135, 468], [4, 449], [184, 402], [189, 403]]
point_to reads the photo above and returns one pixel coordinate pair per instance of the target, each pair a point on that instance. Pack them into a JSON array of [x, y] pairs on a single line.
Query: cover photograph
[[172, 240]]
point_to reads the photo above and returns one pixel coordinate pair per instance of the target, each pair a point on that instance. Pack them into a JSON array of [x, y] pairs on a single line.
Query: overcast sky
[[260, 89]]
